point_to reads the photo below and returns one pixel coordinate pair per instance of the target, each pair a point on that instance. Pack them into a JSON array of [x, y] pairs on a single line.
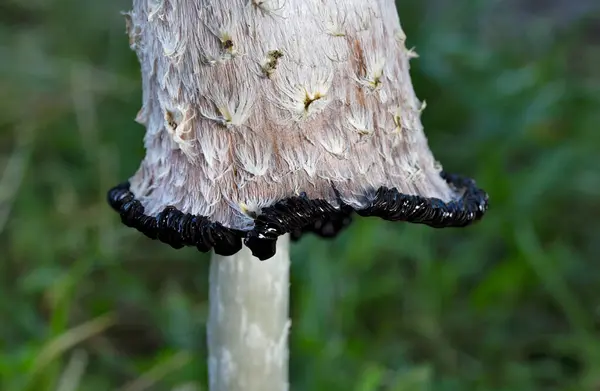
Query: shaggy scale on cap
[[271, 117]]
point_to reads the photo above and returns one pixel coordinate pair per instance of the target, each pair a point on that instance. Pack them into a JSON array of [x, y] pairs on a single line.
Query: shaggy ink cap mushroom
[[258, 125]]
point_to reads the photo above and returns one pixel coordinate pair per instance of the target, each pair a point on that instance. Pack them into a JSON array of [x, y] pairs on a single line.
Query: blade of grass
[[158, 372], [542, 264], [67, 340], [74, 371], [14, 172]]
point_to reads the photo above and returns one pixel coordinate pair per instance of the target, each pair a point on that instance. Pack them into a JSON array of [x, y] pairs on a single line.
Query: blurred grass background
[[511, 304]]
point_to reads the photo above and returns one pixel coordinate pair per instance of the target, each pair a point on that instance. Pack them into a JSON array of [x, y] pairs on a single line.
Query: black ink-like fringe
[[297, 215]]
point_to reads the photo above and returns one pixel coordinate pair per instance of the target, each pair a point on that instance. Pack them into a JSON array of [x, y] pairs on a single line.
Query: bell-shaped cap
[[265, 119]]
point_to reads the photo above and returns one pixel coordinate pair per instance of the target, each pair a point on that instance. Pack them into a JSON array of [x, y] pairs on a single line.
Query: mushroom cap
[[280, 117]]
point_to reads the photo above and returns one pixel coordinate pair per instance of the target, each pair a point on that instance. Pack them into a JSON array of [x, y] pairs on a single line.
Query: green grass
[[510, 304]]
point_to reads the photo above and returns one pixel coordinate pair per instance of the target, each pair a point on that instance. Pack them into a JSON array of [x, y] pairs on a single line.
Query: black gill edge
[[296, 216]]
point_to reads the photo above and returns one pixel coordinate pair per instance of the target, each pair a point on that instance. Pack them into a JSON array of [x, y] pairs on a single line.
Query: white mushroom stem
[[248, 321]]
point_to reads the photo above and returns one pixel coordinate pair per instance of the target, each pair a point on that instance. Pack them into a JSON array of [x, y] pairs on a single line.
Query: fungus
[[318, 141]]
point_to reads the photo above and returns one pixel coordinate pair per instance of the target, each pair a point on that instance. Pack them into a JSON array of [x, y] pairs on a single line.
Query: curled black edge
[[298, 215]]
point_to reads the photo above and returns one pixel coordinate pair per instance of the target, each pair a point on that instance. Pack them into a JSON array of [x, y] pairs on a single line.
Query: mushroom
[[268, 120]]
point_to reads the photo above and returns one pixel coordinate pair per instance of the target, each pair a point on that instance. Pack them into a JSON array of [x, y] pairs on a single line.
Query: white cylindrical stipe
[[248, 323]]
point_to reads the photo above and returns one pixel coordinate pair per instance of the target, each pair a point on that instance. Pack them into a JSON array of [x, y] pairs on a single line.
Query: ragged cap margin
[[297, 215]]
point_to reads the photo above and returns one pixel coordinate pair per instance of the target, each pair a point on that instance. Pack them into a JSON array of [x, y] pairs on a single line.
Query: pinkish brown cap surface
[[278, 117]]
